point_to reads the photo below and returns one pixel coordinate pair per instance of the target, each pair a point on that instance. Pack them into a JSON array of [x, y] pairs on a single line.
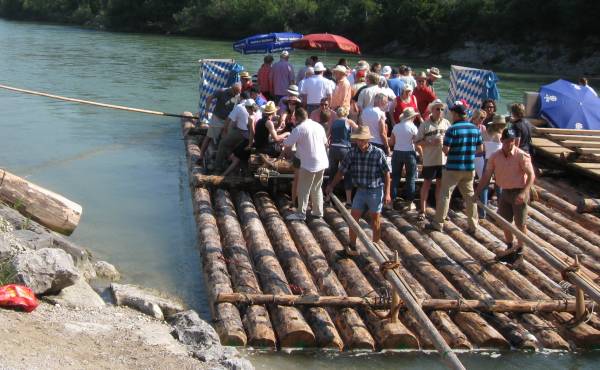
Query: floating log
[[462, 305], [572, 235], [256, 318], [41, 205], [585, 219], [226, 317], [226, 182], [588, 205], [193, 152], [297, 273], [493, 276], [511, 330], [389, 334], [292, 330]]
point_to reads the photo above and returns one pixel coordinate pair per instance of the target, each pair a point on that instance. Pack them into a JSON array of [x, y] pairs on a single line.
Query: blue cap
[[508, 133]]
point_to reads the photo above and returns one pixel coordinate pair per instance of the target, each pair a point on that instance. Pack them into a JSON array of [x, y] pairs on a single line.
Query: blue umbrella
[[568, 105], [266, 43]]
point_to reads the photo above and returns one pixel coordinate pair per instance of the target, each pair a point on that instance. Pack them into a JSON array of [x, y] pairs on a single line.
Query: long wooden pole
[[406, 294], [573, 277], [89, 102], [463, 305]]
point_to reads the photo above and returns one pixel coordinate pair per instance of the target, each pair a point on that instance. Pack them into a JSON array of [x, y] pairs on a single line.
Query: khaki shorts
[[509, 210], [215, 127]]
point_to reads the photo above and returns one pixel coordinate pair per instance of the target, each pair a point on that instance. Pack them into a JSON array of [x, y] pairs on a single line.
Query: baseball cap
[[459, 108], [508, 133]]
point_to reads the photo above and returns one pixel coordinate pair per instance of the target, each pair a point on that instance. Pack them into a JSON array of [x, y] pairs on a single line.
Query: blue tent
[[266, 43], [569, 105]]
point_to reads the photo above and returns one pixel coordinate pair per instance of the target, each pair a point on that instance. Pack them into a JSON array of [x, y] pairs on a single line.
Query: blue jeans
[[371, 199], [484, 197], [336, 155], [408, 160]]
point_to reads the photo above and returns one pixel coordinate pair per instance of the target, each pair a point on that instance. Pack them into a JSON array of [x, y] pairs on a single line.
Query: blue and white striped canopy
[[266, 43]]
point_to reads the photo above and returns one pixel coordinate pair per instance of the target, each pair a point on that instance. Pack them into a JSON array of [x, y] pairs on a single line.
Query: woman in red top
[[406, 100]]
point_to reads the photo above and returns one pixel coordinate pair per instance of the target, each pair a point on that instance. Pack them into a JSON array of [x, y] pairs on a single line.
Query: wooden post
[[292, 330], [226, 316], [297, 273], [256, 318], [445, 351], [41, 205]]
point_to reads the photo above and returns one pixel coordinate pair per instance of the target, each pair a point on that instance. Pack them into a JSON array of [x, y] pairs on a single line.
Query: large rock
[[145, 301], [79, 295], [237, 363], [106, 271], [191, 330], [45, 271]]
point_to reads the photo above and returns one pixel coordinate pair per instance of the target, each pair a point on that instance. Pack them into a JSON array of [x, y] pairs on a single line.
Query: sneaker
[[295, 217]]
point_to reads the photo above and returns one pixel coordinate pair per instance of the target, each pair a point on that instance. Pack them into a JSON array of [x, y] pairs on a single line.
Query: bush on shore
[[433, 24]]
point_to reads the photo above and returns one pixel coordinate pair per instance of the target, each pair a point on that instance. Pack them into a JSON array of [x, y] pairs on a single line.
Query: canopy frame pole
[[403, 289]]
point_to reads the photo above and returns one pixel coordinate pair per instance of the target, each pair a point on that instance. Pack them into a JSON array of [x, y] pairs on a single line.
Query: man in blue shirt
[[395, 82], [461, 142]]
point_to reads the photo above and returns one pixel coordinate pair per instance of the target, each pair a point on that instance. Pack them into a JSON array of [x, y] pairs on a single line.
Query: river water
[[128, 170]]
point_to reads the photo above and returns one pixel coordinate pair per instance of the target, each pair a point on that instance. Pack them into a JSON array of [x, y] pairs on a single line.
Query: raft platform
[[278, 284]]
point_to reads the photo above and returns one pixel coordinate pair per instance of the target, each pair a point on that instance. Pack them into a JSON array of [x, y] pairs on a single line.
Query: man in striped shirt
[[461, 142]]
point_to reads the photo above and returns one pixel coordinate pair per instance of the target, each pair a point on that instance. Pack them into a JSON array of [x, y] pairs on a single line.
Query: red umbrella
[[326, 41]]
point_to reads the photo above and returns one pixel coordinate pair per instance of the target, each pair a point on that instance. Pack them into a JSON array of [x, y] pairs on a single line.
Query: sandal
[[421, 217], [509, 256]]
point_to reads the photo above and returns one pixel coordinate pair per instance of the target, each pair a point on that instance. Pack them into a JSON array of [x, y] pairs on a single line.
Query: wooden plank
[[566, 131], [581, 144], [583, 138], [588, 150]]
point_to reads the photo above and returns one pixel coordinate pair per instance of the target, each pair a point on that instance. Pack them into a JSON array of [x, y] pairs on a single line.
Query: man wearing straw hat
[[514, 174], [433, 74], [370, 174]]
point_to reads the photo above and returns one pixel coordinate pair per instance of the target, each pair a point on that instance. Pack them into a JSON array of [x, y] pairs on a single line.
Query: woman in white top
[[403, 136], [374, 118], [491, 144], [478, 119]]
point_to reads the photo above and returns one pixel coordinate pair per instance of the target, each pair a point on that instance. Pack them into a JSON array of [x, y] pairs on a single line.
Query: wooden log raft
[[41, 205], [450, 331], [574, 234], [489, 276], [462, 305], [476, 328], [585, 219], [464, 283], [255, 318], [297, 273], [226, 317], [583, 335], [389, 335], [227, 182], [292, 330], [276, 164]]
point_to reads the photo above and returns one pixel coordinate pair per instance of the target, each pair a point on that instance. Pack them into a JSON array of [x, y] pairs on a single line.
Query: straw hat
[[498, 119], [249, 103], [362, 65], [340, 68], [408, 113], [436, 103], [362, 133], [435, 72], [421, 76], [293, 90], [245, 74], [270, 108], [319, 67]]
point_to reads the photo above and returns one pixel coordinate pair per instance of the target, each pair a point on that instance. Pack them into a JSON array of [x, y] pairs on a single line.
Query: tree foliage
[[426, 23]]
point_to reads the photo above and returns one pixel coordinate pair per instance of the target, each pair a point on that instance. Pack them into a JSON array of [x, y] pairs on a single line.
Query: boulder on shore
[[45, 271], [145, 301], [106, 271], [80, 295]]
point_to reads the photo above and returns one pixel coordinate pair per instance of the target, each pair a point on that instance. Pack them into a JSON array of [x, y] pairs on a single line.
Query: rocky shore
[[74, 327], [540, 58]]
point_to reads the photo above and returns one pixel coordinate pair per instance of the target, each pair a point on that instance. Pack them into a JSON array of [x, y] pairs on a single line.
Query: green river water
[[128, 170]]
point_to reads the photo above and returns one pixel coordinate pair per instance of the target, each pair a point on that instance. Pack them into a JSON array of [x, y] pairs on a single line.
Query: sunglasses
[[488, 107]]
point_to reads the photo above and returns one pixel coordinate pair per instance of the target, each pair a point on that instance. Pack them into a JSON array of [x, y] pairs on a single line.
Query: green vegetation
[[7, 272], [438, 24]]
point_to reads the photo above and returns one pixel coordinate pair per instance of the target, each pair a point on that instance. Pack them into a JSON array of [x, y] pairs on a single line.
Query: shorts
[[296, 162], [215, 127], [432, 172], [509, 210], [370, 199]]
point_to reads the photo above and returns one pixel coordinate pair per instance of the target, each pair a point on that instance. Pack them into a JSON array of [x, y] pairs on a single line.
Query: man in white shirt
[[235, 130], [311, 149], [404, 156], [367, 95], [315, 88]]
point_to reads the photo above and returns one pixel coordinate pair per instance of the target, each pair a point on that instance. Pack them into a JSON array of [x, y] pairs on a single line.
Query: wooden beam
[[566, 131], [462, 305], [581, 138]]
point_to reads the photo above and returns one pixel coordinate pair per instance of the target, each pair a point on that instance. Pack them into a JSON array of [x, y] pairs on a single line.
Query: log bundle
[[273, 283]]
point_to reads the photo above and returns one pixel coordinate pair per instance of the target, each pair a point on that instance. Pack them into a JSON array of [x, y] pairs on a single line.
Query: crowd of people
[[369, 126]]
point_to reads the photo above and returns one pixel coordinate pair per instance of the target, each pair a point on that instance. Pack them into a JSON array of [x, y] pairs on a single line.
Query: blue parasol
[[568, 105], [266, 43]]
